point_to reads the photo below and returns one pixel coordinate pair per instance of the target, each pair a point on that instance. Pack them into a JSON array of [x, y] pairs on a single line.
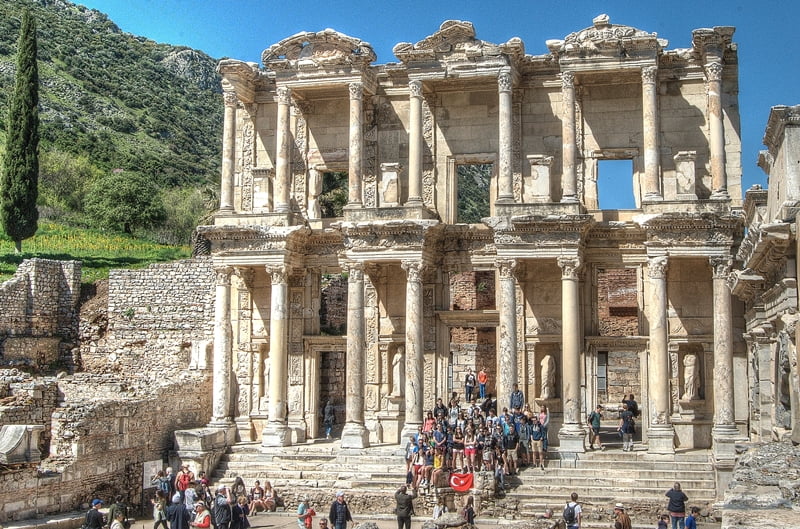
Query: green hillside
[[112, 102]]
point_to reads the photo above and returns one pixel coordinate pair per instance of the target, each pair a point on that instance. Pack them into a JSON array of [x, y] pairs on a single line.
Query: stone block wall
[[25, 399]]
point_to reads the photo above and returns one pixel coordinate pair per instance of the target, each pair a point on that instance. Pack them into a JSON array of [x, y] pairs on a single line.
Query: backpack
[[569, 513], [184, 480], [163, 485]]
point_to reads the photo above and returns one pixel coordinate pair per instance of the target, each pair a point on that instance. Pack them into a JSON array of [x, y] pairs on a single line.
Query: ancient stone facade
[[540, 127]]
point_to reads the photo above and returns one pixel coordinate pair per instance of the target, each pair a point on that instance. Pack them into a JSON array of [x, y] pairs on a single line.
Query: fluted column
[[716, 131], [228, 151], [652, 186], [415, 359], [724, 421], [507, 340], [354, 433], [415, 144], [505, 190], [571, 434], [276, 432], [659, 432], [282, 151], [221, 385], [355, 165], [569, 149]]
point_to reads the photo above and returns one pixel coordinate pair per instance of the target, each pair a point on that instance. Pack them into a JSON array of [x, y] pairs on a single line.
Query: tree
[[125, 201], [20, 176]]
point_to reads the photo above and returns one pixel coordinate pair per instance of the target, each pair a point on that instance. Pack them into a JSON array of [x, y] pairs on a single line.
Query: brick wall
[[617, 303], [472, 290], [333, 305]]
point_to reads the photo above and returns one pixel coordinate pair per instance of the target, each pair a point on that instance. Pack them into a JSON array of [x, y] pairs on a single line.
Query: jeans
[[483, 391], [677, 522], [469, 393], [403, 522]]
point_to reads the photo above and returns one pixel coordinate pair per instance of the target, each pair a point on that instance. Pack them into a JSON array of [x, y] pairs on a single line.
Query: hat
[[619, 506], [96, 502], [339, 494], [176, 498]]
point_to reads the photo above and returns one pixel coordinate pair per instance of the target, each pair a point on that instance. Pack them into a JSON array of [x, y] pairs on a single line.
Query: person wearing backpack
[[572, 512], [222, 508], [119, 506], [184, 480]]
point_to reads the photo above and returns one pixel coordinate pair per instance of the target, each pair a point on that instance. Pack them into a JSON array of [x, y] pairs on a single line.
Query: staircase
[[637, 479]]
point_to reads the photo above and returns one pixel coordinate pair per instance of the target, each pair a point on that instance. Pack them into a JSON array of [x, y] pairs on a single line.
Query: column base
[[355, 435], [297, 428], [661, 439], [572, 439], [720, 194], [276, 434], [244, 429], [409, 429], [725, 438], [653, 197], [569, 199]]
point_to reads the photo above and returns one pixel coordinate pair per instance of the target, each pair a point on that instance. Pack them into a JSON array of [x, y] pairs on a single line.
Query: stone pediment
[[606, 39], [455, 41], [318, 49]]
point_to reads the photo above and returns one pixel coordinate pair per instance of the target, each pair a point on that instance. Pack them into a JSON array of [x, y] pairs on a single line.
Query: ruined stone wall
[[25, 399], [37, 313], [155, 316]]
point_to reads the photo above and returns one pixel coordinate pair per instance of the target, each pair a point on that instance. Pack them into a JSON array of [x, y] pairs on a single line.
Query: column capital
[[415, 89], [657, 267], [567, 80], [222, 275], [506, 267], [284, 95], [649, 74], [570, 266], [413, 270], [279, 274], [229, 97], [356, 90], [245, 274], [714, 71], [720, 267], [504, 82], [355, 271]]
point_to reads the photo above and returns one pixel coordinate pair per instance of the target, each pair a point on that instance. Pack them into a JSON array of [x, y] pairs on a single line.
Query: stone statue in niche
[[548, 374], [691, 378], [398, 371], [314, 190]]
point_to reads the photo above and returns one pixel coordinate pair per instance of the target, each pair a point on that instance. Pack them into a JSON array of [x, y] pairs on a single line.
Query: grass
[[99, 251]]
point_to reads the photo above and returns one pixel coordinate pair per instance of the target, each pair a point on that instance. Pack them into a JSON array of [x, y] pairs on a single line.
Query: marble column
[[276, 432], [569, 149], [571, 435], [505, 188], [354, 433], [355, 165], [660, 432], [724, 429], [283, 151], [415, 359], [415, 144], [716, 131], [228, 151], [652, 185], [221, 386], [507, 338]]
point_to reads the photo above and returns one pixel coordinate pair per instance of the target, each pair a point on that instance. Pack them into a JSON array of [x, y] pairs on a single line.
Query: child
[[663, 521], [691, 520]]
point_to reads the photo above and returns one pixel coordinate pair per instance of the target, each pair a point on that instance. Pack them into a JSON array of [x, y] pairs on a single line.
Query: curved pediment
[[455, 39], [603, 36], [327, 47]]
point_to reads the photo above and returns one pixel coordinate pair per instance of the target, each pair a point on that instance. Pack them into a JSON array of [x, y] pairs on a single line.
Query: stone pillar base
[[298, 431], [571, 439], [725, 439], [661, 439], [408, 429], [244, 429], [276, 434], [355, 436]]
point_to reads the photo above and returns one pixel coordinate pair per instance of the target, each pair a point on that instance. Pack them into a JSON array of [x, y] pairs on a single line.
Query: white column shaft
[[723, 347], [278, 354], [282, 154], [355, 166], [228, 153], [415, 144], [415, 357], [507, 340], [505, 191], [658, 364], [569, 176], [221, 384], [716, 131], [570, 343], [652, 164]]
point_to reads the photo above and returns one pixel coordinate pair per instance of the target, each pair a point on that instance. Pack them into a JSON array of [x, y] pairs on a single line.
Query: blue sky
[[766, 33]]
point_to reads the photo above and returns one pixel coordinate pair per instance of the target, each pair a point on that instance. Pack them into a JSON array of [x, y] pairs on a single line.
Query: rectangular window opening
[[615, 184], [333, 198], [473, 182]]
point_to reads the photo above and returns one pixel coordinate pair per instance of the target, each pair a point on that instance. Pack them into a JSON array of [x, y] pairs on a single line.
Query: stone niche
[[38, 352]]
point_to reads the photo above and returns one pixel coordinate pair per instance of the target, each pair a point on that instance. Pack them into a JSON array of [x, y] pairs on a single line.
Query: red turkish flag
[[461, 482]]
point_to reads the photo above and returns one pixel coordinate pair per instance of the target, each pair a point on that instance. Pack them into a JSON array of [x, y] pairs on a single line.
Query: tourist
[[544, 422], [117, 506], [119, 520], [177, 513], [162, 483], [621, 516], [458, 449], [439, 467], [677, 505], [159, 509], [429, 423], [468, 512], [572, 512], [439, 409], [170, 475], [271, 499], [239, 489], [328, 418], [405, 507], [663, 521], [517, 399], [470, 447], [485, 449], [202, 516], [483, 378], [511, 444], [94, 518], [633, 406], [190, 496], [469, 385], [222, 507], [323, 523], [184, 480], [627, 428], [691, 520], [257, 498], [524, 434], [440, 508], [303, 509], [340, 512], [594, 422], [537, 442], [239, 513]]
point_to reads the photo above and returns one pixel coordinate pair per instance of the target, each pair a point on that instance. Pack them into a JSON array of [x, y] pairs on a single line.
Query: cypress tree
[[20, 176]]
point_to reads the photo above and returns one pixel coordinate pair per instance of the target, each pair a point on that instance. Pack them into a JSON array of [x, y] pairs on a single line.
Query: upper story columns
[[716, 131], [569, 148], [415, 144], [652, 164], [283, 144], [505, 191], [228, 151], [355, 159]]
